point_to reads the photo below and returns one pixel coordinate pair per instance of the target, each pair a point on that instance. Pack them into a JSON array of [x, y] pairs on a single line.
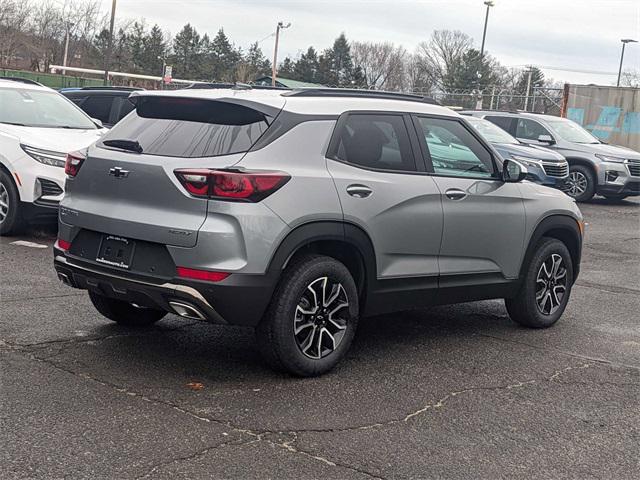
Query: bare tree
[[442, 56], [14, 16], [630, 78], [382, 64]]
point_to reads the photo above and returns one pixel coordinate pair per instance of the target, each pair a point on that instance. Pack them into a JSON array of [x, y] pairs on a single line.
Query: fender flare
[[563, 227]]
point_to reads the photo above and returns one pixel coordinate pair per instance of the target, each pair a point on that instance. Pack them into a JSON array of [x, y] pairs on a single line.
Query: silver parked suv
[[300, 212], [594, 167]]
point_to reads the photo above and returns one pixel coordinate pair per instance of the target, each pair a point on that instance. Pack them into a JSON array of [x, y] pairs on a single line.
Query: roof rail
[[113, 87], [350, 92], [232, 86], [22, 80]]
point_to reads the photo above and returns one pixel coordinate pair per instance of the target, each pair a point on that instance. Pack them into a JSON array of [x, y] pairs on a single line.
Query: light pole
[[489, 4], [280, 26], [107, 57], [66, 47], [624, 44]]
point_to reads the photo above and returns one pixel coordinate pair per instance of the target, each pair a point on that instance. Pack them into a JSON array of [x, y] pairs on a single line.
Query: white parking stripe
[[24, 243]]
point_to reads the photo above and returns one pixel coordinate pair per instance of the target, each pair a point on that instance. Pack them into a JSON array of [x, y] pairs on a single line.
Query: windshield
[[41, 108], [571, 131], [490, 132]]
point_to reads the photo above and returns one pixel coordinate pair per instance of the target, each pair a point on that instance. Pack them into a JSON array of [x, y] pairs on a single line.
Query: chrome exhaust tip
[[64, 278], [187, 311]]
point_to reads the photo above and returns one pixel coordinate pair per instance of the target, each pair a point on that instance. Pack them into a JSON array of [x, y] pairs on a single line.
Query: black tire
[[581, 171], [617, 197], [524, 308], [280, 346], [11, 221], [124, 313]]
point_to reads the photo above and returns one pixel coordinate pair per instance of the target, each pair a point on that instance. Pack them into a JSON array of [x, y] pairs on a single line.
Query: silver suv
[[300, 212], [594, 167]]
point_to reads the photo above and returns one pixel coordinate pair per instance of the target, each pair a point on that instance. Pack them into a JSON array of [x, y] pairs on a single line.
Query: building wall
[[611, 113]]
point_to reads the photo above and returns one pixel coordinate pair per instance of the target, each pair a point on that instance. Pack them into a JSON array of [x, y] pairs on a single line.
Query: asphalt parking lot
[[449, 392]]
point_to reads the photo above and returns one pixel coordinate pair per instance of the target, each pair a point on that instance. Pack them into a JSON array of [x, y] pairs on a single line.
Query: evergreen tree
[[286, 69], [155, 50], [137, 46], [225, 58], [336, 65], [307, 68], [187, 49]]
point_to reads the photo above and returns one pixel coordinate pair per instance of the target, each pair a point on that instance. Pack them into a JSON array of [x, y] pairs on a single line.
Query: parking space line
[[24, 243]]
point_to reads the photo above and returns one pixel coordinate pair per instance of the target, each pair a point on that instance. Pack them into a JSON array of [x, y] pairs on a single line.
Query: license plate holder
[[116, 251]]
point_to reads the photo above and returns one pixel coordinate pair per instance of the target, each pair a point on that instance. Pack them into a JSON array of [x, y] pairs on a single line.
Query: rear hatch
[[126, 186]]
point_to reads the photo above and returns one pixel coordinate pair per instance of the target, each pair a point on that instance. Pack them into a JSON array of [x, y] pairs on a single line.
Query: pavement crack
[[184, 458], [608, 288], [43, 297]]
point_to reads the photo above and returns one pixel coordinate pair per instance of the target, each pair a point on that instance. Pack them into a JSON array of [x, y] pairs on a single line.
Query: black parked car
[[107, 104]]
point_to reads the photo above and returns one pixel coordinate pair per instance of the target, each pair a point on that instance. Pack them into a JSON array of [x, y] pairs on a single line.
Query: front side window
[[530, 130], [375, 141], [41, 108], [454, 151], [190, 128]]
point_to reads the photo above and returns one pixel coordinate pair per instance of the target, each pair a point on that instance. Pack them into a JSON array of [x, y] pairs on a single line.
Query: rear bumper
[[239, 301]]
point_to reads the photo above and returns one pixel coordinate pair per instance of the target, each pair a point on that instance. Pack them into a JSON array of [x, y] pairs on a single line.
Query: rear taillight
[[73, 163], [62, 244], [246, 185], [197, 274]]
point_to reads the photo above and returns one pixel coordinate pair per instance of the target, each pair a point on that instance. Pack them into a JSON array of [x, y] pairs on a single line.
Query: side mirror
[[513, 171], [97, 121], [546, 139]]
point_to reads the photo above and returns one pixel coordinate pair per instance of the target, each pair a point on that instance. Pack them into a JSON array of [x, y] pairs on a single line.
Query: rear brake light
[[73, 163], [207, 275], [248, 186], [63, 244]]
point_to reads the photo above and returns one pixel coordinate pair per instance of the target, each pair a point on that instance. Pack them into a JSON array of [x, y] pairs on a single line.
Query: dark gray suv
[[594, 167], [301, 212]]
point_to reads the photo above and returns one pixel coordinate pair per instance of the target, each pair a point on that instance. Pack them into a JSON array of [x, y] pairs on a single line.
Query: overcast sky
[[566, 34]]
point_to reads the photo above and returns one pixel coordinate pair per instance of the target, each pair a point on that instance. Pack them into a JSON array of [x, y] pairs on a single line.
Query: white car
[[38, 127]]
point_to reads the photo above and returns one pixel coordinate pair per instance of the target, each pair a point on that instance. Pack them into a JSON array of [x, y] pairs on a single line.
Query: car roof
[[334, 102], [503, 113], [22, 84]]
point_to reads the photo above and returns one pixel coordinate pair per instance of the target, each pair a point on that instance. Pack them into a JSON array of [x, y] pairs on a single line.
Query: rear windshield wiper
[[131, 145]]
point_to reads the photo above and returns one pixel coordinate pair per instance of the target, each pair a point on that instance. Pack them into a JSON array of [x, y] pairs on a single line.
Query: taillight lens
[[247, 186], [63, 244], [197, 274], [73, 163]]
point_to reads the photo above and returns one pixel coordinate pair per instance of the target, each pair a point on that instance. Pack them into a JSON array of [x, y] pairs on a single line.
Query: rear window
[[190, 128]]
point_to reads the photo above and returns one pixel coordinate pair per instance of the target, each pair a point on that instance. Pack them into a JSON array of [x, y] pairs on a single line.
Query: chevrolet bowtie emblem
[[118, 172]]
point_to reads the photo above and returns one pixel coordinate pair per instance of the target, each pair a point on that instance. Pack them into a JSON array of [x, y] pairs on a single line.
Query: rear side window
[[503, 122], [190, 128], [375, 141], [99, 107]]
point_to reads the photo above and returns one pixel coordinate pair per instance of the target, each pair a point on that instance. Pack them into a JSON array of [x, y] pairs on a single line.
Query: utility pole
[[489, 4], [526, 98], [280, 26], [624, 44], [66, 47], [107, 57]]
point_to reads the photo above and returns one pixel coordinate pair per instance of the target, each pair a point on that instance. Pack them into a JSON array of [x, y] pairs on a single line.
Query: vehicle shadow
[[175, 350]]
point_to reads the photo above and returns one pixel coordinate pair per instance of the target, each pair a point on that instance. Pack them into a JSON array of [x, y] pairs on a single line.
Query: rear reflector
[[206, 275], [246, 186], [73, 163], [62, 244]]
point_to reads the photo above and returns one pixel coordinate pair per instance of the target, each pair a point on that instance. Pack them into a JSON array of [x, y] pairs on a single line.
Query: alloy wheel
[[321, 318], [551, 284], [4, 203], [576, 184]]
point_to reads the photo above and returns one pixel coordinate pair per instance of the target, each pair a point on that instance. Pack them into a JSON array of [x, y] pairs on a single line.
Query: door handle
[[359, 191], [455, 194]]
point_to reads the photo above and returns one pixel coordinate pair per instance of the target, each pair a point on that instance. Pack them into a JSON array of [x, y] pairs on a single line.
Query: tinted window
[[454, 150], [190, 128], [98, 107], [491, 132], [375, 141], [126, 107], [503, 122], [41, 108], [530, 130]]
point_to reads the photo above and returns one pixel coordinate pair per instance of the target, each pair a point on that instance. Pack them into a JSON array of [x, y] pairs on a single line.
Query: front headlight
[[529, 162], [46, 157], [609, 158]]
